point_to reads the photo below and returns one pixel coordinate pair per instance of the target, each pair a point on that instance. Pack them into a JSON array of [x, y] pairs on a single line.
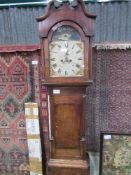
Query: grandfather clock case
[[66, 31]]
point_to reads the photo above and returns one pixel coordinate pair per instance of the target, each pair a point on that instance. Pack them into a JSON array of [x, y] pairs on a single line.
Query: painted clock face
[[66, 54]]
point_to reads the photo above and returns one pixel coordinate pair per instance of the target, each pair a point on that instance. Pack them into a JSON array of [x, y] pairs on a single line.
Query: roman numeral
[[78, 51], [73, 47], [54, 65], [59, 46], [59, 70], [66, 73], [77, 65], [52, 59], [66, 44]]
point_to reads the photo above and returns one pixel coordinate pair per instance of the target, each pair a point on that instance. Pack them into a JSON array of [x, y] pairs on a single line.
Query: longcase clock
[[66, 33]]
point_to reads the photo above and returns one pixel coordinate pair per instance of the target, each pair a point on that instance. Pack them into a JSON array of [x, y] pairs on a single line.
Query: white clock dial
[[66, 59]]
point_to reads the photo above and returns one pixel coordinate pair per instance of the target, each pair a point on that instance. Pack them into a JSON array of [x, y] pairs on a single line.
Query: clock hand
[[64, 60], [68, 60], [67, 53]]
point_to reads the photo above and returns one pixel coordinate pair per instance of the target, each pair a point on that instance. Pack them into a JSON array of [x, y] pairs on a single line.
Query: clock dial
[[66, 59]]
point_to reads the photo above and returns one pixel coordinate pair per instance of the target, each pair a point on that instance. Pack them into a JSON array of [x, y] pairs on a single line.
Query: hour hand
[[67, 53]]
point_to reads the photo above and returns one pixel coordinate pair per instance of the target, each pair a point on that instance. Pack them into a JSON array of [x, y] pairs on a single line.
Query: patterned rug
[[17, 78], [109, 97]]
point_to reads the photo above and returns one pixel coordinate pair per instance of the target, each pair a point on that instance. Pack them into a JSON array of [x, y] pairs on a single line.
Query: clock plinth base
[[67, 167]]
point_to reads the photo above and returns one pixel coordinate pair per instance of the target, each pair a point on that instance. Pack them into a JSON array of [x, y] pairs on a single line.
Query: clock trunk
[[67, 130], [67, 122]]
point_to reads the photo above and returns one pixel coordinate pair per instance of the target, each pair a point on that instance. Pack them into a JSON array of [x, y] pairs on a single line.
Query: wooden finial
[[72, 3]]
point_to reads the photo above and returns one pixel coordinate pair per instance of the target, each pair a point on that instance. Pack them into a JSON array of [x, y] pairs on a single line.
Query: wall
[[19, 26]]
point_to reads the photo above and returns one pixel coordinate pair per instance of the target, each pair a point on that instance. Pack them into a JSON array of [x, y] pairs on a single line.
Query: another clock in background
[[66, 53]]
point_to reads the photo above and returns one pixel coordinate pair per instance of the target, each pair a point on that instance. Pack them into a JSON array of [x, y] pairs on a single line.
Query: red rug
[[17, 78]]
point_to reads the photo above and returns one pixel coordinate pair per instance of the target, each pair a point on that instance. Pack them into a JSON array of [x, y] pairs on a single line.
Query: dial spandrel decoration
[[66, 53]]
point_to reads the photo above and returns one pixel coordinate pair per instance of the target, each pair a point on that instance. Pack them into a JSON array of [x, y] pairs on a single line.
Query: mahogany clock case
[[66, 91]]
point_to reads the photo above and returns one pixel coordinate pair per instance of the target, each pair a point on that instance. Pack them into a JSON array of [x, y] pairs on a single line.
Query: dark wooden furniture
[[66, 34]]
